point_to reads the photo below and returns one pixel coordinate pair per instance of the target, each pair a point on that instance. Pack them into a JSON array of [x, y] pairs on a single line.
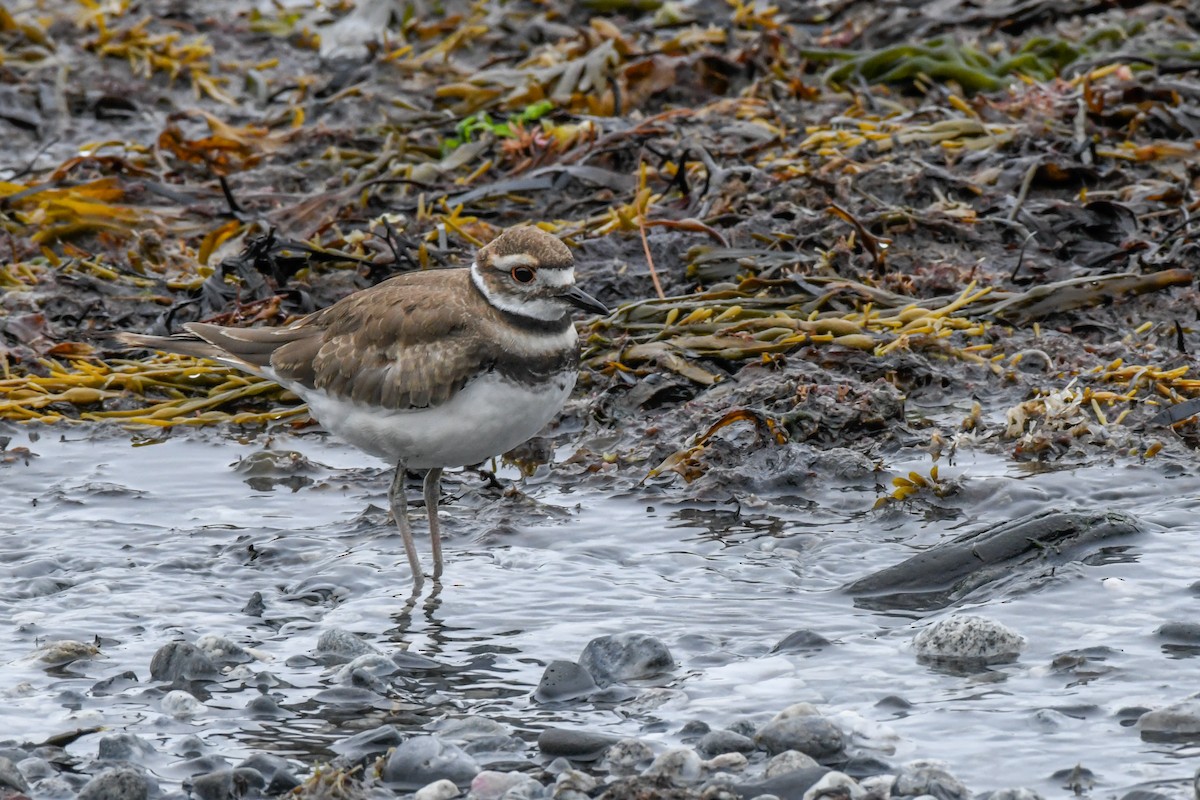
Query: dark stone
[[368, 743], [625, 656], [120, 783], [263, 707], [115, 684], [693, 729], [788, 786], [812, 735], [228, 784], [424, 759], [937, 577], [179, 662], [255, 606], [801, 641], [919, 779], [11, 777], [276, 771], [576, 745], [714, 743], [563, 681], [1180, 632]]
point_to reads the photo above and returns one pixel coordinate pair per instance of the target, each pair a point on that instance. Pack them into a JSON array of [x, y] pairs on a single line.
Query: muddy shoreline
[[849, 247]]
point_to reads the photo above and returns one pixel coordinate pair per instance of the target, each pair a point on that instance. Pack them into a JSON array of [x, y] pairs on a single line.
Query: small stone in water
[[1178, 721], [1022, 793], [339, 646], [967, 638], [368, 743], [124, 747], [424, 759], [575, 744], [1180, 632], [438, 790], [491, 785], [625, 656], [628, 757], [836, 784], [812, 735], [120, 783], [801, 641], [563, 681], [276, 771], [679, 767], [179, 704], [11, 777], [928, 777], [222, 650], [789, 761], [228, 784], [716, 743], [177, 662]]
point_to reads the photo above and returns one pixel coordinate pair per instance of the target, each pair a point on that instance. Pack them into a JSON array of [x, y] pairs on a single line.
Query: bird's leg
[[433, 492], [399, 506]]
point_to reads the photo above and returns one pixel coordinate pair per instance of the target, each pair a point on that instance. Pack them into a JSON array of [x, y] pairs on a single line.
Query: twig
[[649, 260]]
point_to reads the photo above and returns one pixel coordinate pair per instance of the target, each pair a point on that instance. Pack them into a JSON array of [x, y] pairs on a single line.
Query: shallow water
[[131, 547]]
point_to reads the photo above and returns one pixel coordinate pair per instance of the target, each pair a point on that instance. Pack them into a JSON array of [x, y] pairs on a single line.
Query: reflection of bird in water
[[427, 370]]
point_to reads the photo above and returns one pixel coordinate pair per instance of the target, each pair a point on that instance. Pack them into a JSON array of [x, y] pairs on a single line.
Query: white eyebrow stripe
[[558, 278], [514, 260]]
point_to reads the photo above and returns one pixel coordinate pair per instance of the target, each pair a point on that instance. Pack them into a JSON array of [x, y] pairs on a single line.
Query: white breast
[[490, 416]]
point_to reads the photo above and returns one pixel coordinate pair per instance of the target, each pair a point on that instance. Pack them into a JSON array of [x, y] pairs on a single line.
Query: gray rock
[[425, 759], [491, 785], [178, 662], [33, 769], [812, 735], [124, 747], [800, 642], [970, 639], [927, 777], [714, 743], [438, 790], [222, 650], [625, 656], [837, 786], [276, 771], [788, 761], [574, 744], [678, 767], [563, 681], [337, 646], [228, 784], [11, 777], [1022, 793], [368, 743], [119, 783], [471, 728], [374, 665], [1176, 722], [115, 684], [628, 757], [1179, 632], [789, 786]]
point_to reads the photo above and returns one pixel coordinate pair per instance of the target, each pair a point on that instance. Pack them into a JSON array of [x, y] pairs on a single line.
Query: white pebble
[[438, 790], [179, 704]]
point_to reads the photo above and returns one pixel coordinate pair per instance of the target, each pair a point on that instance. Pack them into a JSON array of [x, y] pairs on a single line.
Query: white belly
[[490, 416]]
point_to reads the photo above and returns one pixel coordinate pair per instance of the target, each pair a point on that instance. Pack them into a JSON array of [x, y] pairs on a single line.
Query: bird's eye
[[523, 274]]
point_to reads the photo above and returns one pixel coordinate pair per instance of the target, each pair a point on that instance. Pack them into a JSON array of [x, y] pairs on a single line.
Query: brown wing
[[409, 342]]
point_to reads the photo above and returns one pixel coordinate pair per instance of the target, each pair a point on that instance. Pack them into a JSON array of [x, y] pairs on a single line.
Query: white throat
[[534, 308]]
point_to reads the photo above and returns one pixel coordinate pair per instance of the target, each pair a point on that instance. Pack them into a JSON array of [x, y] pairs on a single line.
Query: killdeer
[[428, 370]]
